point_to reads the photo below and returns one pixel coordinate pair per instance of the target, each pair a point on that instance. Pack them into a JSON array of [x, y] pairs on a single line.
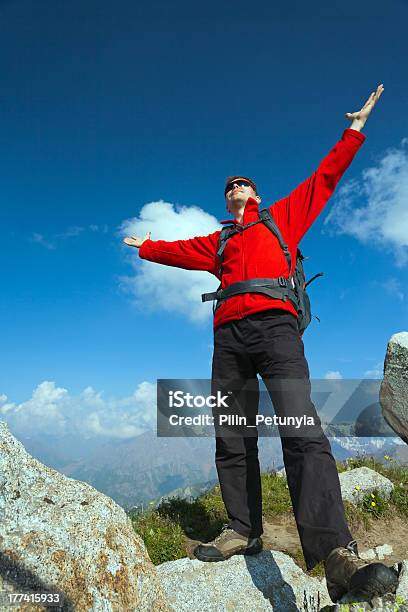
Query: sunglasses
[[240, 183]]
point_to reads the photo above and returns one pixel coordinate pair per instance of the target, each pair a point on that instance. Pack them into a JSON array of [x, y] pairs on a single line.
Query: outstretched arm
[[296, 213], [199, 253]]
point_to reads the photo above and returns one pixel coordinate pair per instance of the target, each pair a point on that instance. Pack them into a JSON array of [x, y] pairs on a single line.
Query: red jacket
[[256, 253]]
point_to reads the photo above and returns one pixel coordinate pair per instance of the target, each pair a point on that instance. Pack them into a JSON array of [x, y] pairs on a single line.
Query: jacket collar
[[251, 213]]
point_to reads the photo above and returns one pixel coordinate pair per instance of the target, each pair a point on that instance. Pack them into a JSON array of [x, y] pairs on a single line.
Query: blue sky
[[108, 107]]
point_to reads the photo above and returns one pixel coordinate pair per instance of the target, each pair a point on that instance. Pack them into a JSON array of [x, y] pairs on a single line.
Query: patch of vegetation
[[399, 601], [275, 495], [341, 466], [163, 539], [165, 530], [201, 518], [399, 497], [398, 474], [297, 556], [376, 504], [317, 571], [356, 517]]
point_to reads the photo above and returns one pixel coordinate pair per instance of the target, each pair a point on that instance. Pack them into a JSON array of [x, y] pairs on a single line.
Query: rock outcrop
[[356, 483], [402, 590], [394, 387], [268, 581], [265, 582], [61, 535]]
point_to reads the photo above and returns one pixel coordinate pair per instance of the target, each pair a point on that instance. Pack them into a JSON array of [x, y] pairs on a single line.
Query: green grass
[[201, 518], [356, 517], [297, 556], [399, 498], [163, 539], [165, 530], [275, 495]]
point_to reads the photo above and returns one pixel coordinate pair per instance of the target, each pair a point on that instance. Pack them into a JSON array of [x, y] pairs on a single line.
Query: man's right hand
[[135, 241]]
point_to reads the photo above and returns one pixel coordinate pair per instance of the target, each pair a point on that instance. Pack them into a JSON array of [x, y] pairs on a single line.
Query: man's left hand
[[360, 117]]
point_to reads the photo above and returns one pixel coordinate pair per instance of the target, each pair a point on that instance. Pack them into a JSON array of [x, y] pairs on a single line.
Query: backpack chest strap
[[278, 288]]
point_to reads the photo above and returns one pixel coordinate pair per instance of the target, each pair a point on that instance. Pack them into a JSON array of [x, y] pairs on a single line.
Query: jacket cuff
[[350, 132], [142, 249]]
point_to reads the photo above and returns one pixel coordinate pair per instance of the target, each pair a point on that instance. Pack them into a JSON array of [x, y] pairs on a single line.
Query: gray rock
[[402, 590], [383, 551], [59, 534], [377, 553], [355, 484], [268, 581], [394, 387], [368, 555], [387, 603]]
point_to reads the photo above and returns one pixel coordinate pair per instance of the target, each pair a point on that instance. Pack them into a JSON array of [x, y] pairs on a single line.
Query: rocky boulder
[[402, 590], [61, 535], [378, 553], [356, 483], [394, 387], [268, 581]]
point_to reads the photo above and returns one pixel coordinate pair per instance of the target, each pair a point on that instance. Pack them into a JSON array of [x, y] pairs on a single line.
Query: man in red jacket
[[255, 334]]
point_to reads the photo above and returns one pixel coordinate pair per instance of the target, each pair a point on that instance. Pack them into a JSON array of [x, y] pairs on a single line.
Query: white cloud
[[53, 410], [51, 243], [158, 287], [333, 375], [393, 287], [374, 208], [98, 228], [71, 232], [376, 371], [39, 239]]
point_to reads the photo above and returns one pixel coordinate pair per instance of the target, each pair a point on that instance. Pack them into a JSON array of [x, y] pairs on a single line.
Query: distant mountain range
[[146, 468]]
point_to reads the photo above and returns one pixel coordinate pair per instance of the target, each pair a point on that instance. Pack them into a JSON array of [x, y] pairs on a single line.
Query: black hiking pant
[[268, 343]]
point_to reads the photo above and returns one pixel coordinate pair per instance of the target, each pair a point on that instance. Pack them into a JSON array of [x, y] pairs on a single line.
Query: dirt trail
[[280, 533]]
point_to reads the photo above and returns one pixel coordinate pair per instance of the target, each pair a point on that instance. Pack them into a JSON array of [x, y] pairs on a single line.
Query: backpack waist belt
[[277, 288]]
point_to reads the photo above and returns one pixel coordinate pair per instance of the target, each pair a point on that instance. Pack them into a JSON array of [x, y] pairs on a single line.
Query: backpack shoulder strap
[[226, 233], [269, 221]]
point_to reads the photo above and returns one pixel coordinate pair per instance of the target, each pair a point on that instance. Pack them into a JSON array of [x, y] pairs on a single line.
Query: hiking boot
[[228, 543], [346, 572]]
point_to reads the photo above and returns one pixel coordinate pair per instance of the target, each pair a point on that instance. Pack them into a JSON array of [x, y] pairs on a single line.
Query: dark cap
[[231, 179]]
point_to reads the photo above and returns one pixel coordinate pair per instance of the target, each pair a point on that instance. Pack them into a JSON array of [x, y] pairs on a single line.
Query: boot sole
[[374, 580], [245, 551]]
